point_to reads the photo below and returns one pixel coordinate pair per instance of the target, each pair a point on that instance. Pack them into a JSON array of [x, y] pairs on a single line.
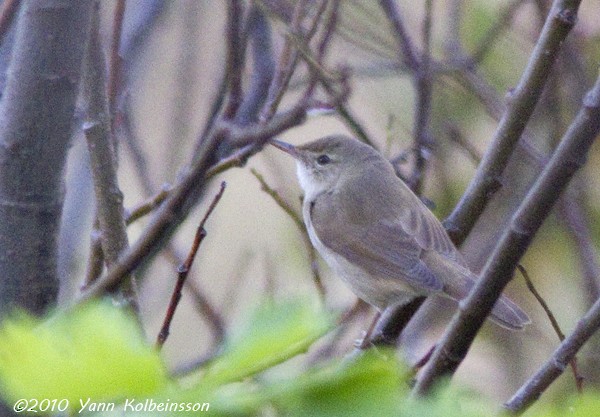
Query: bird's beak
[[286, 147]]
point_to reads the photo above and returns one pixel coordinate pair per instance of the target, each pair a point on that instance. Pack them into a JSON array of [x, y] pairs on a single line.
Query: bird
[[376, 234]]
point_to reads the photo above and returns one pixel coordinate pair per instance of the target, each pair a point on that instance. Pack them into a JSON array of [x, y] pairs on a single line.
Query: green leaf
[[273, 334], [449, 401], [96, 351], [586, 405], [372, 385]]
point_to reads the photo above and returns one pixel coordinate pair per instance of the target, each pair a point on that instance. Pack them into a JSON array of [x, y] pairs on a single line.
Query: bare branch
[[567, 159], [409, 55], [95, 263], [286, 65], [523, 99], [114, 71], [423, 87], [189, 189], [208, 312], [263, 63], [453, 45], [587, 326], [147, 206], [553, 321], [235, 58], [109, 199], [184, 269], [487, 41]]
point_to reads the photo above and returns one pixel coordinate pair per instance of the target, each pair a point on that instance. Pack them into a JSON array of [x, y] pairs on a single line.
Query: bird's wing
[[427, 231], [383, 248]]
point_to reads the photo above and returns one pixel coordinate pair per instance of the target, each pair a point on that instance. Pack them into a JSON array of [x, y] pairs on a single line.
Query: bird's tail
[[509, 315], [458, 281]]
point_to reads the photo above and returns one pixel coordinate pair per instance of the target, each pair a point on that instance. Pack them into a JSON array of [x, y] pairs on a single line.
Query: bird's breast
[[377, 291]]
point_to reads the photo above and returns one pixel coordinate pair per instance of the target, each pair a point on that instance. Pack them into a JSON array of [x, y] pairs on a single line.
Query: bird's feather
[[388, 247]]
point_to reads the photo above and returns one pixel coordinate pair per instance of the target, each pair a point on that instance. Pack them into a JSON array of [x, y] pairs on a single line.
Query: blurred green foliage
[[96, 352]]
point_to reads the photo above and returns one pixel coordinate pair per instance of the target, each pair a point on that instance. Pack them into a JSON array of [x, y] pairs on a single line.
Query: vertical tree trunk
[[36, 114]]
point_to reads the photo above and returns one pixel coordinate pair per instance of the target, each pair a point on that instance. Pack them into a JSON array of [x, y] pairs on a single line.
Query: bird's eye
[[323, 160]]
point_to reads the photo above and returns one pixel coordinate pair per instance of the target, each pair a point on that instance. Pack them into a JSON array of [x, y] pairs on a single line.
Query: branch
[[388, 327], [328, 80], [573, 215], [553, 322], [209, 313], [97, 130], [263, 66], [487, 41], [189, 189], [235, 58], [114, 71], [557, 363], [147, 206], [568, 157], [409, 55], [452, 44], [287, 63], [423, 87], [184, 269], [523, 99]]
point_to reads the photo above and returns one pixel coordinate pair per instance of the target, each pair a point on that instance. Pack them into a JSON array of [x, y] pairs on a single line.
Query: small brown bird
[[375, 233]]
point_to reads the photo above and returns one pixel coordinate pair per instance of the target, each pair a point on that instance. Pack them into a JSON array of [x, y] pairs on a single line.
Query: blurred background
[[173, 67]]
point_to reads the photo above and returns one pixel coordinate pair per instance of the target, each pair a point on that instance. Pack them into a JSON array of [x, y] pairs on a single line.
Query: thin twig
[[288, 61], [573, 215], [452, 45], [95, 263], [330, 81], [587, 326], [259, 35], [209, 313], [147, 206], [235, 58], [407, 49], [184, 269], [560, 20], [127, 134], [286, 65], [569, 156], [330, 24], [97, 130], [493, 33], [423, 87], [287, 208], [553, 321], [189, 188], [456, 136], [114, 71], [206, 309]]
